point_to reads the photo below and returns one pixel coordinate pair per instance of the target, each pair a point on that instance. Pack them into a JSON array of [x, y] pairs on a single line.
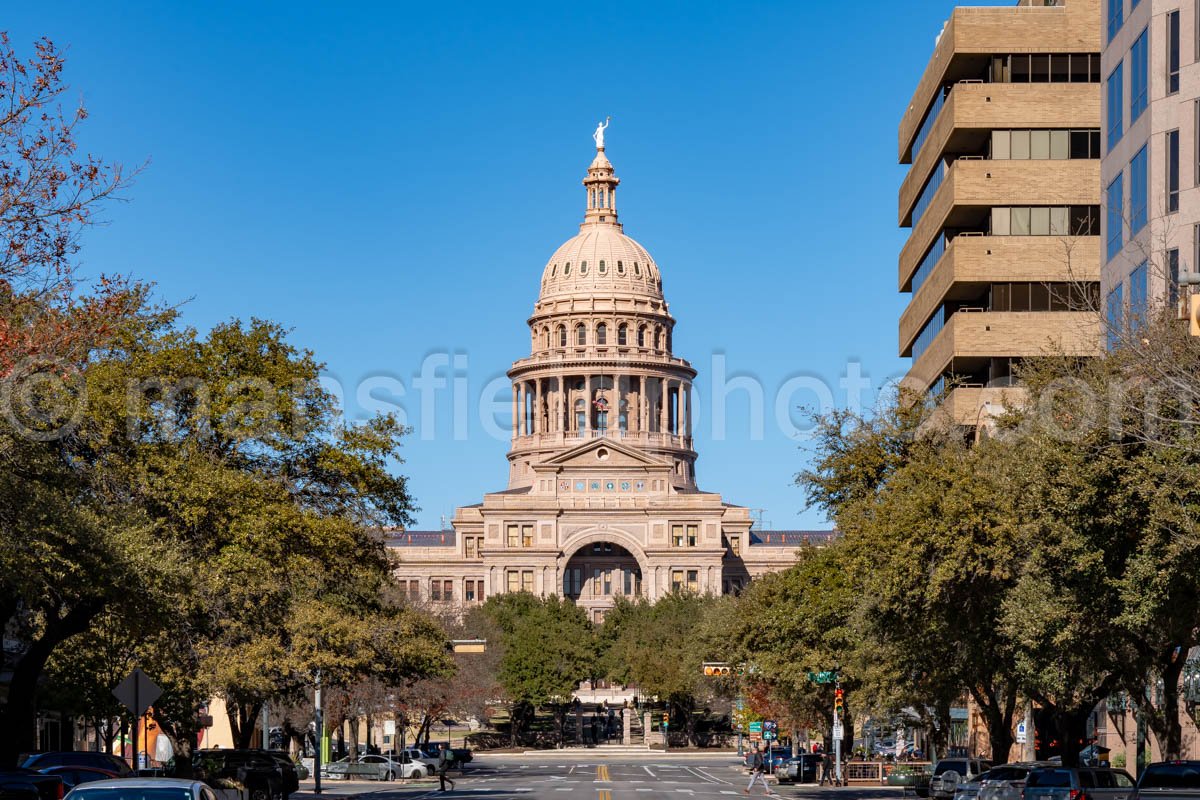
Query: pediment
[[605, 454]]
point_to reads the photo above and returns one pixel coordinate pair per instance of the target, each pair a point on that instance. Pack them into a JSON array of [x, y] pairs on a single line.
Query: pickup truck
[[1169, 780]]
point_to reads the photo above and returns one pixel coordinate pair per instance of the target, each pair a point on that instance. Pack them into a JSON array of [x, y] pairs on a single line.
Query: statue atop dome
[[599, 134]]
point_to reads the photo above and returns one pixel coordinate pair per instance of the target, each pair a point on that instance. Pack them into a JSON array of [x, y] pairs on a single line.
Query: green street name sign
[[827, 676]]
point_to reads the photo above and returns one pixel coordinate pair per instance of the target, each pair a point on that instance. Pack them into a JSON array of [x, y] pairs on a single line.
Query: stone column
[[537, 406], [515, 418], [685, 419], [646, 728], [664, 398], [523, 403], [626, 726], [641, 404], [578, 727]]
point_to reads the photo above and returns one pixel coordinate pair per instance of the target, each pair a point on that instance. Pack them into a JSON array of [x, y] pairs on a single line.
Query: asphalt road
[[592, 775]]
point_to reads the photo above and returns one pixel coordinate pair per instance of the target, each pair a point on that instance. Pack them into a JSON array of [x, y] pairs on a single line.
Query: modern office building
[[1003, 201], [1150, 225], [602, 497], [1151, 112]]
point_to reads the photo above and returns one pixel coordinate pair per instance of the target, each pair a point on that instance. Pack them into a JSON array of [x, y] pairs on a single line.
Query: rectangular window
[[1060, 221], [1115, 91], [596, 582], [676, 580], [1172, 171], [1115, 312], [469, 591], [1060, 147], [448, 591], [1138, 192], [1116, 17], [1039, 145], [514, 535], [1020, 224], [527, 581], [1173, 51], [677, 536], [1020, 145], [692, 534], [693, 581], [735, 544], [1139, 75], [1114, 217], [607, 582], [1137, 295], [526, 536], [1001, 145], [512, 579], [1173, 277], [435, 590]]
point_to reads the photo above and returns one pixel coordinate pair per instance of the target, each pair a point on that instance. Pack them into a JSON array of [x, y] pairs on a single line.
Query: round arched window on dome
[[567, 268], [580, 335], [603, 267], [641, 335], [562, 335], [657, 338], [620, 267], [622, 335], [601, 334], [637, 271], [583, 268]]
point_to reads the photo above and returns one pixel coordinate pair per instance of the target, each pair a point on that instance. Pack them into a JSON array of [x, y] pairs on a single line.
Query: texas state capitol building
[[602, 498]]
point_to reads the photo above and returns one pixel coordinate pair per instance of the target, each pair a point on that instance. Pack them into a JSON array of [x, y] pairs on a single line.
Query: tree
[[48, 196]]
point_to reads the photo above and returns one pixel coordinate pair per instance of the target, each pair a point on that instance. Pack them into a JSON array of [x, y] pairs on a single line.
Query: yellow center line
[[602, 775], [604, 794]]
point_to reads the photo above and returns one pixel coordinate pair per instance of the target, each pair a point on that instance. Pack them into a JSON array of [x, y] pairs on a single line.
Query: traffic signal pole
[[837, 729]]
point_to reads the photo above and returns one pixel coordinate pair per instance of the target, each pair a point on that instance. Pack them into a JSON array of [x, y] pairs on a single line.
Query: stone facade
[[602, 498]]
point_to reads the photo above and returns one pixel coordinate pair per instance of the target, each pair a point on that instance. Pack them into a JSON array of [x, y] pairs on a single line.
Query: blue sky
[[389, 179]]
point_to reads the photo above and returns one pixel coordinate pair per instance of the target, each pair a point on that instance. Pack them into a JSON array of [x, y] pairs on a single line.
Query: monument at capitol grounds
[[602, 497]]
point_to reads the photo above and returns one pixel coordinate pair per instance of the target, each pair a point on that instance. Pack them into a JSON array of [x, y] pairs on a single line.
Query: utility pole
[[266, 726], [319, 721], [838, 732]]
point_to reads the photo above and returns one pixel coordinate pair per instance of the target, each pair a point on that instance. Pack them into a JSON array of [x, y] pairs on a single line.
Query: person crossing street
[[445, 758], [757, 771]]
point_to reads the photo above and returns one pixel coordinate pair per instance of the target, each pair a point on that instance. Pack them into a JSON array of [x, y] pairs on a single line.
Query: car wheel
[[416, 773], [391, 776]]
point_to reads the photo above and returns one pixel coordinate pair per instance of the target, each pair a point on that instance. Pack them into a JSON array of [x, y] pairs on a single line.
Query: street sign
[[825, 676], [1021, 734], [756, 727], [769, 735], [137, 692], [770, 725], [839, 731]]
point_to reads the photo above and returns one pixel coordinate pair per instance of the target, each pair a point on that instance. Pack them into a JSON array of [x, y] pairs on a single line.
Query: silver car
[[950, 773], [142, 789], [1007, 781]]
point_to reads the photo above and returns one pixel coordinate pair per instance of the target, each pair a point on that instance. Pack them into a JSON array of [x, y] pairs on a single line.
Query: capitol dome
[[601, 259]]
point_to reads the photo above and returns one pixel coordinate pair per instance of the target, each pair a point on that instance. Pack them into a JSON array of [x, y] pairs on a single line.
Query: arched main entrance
[[599, 572]]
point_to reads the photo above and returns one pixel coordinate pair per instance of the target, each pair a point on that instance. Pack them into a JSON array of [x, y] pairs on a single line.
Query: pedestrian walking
[[827, 769], [445, 759], [756, 771]]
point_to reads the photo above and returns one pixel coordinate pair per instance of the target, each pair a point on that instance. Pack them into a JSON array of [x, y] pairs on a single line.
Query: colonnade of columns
[[632, 404]]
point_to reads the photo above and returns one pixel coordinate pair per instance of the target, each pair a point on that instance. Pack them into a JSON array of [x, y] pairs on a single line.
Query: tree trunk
[[1071, 727], [353, 722], [18, 715], [1163, 720], [998, 719]]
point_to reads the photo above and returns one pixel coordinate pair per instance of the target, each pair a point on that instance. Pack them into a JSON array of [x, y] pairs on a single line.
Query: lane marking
[[648, 772]]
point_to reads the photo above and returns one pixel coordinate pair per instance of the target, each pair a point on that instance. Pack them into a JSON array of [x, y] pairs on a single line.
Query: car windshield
[[131, 793], [958, 766], [1171, 776], [1049, 778]]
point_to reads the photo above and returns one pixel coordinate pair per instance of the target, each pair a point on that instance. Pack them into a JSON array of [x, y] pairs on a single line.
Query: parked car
[[143, 789], [79, 758], [1169, 780], [1070, 783], [389, 768], [1007, 781], [462, 755], [950, 772], [969, 789], [29, 784], [803, 768], [265, 776], [73, 776]]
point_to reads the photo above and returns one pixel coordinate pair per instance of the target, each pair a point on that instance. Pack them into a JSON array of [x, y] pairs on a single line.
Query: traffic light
[[716, 670], [666, 719], [839, 702]]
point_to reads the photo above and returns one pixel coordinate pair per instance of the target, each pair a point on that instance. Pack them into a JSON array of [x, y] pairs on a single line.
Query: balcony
[[971, 262], [971, 185], [971, 406], [973, 110], [971, 35], [971, 335], [639, 439]]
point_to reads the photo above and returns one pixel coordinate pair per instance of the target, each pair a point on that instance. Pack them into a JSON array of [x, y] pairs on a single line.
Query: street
[[593, 775]]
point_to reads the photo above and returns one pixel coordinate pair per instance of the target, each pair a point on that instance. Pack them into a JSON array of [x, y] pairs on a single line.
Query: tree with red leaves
[[49, 195]]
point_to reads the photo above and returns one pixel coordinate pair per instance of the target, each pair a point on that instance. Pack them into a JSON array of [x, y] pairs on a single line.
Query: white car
[[142, 789], [406, 764]]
